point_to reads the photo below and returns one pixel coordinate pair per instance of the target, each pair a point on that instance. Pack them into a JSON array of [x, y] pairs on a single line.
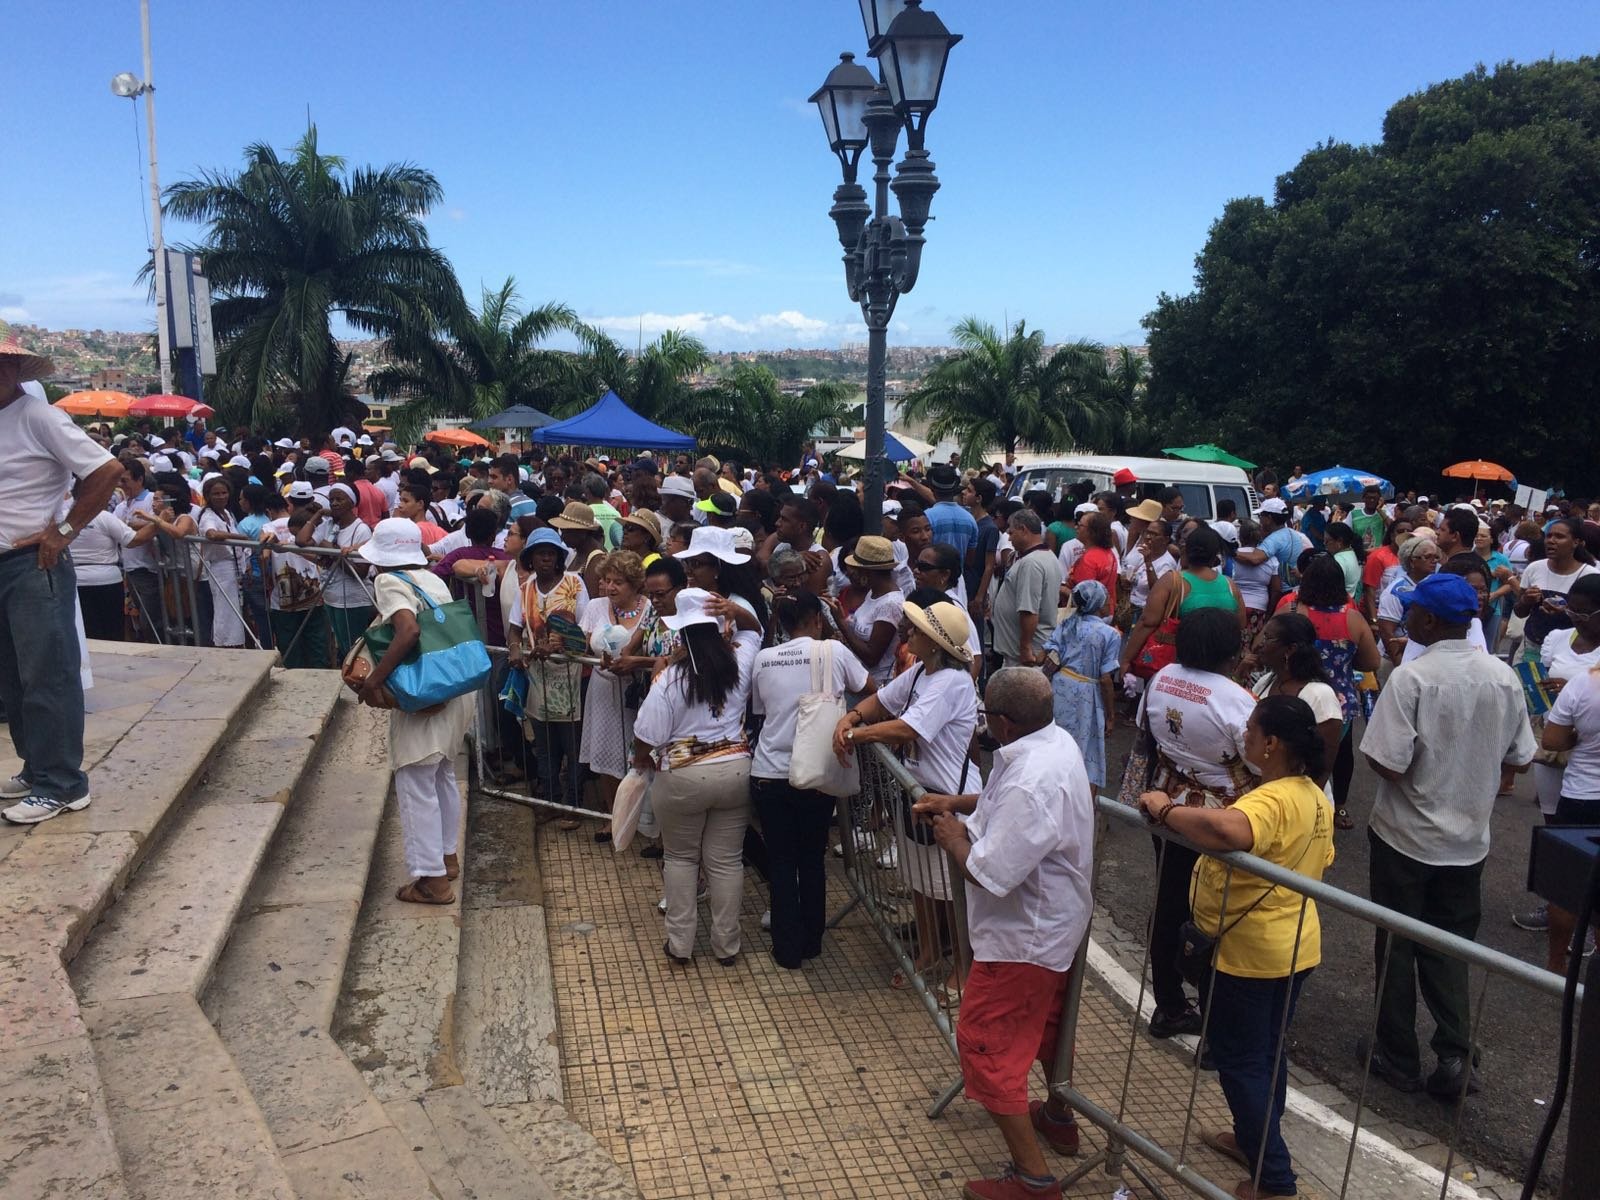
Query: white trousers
[[430, 813]]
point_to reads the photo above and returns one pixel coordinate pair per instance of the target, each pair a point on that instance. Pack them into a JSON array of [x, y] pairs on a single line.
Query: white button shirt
[[1032, 853]]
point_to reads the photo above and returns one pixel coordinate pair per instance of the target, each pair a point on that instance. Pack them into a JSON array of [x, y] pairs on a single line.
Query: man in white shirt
[[1429, 832], [41, 690], [1026, 849]]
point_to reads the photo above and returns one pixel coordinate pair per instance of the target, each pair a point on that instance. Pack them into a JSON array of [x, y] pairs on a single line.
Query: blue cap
[[1449, 597]]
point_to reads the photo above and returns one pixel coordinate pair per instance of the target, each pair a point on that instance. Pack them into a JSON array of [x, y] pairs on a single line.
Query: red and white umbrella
[[170, 407]]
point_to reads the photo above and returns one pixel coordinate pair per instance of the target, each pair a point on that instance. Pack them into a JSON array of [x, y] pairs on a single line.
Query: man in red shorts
[[1025, 847]]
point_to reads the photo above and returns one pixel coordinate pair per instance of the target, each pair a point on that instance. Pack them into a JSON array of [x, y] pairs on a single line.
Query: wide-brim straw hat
[[872, 554], [946, 624], [579, 516], [34, 366], [1146, 510], [645, 521]]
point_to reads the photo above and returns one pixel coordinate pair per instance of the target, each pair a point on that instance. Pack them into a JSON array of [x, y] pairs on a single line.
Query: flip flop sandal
[[412, 894], [1224, 1144]]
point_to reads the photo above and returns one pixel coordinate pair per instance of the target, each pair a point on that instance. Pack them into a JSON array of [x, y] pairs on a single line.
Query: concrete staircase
[[203, 994]]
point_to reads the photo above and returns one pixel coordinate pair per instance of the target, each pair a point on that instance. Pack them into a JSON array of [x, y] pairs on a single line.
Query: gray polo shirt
[[1031, 585], [1448, 721]]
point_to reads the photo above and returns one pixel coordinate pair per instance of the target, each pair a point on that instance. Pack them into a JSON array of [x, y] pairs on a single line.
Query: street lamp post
[[129, 86], [883, 252]]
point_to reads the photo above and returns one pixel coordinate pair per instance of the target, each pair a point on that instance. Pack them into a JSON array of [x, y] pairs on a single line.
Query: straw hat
[[1146, 510], [34, 366], [945, 623], [872, 554], [577, 515], [645, 520]]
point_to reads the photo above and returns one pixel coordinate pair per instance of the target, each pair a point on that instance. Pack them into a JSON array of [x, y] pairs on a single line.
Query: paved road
[[1518, 1030]]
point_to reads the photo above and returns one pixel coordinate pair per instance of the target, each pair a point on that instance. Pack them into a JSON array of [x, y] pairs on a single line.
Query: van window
[[1196, 500], [1241, 500], [1056, 480]]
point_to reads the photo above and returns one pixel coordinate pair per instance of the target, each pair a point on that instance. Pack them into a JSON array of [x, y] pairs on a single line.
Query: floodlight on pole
[[129, 86]]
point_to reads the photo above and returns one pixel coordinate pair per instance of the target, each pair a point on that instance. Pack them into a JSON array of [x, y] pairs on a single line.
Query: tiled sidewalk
[[752, 1081]]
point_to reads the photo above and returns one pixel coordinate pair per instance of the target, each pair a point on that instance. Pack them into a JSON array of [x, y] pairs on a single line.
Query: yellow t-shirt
[[1293, 827]]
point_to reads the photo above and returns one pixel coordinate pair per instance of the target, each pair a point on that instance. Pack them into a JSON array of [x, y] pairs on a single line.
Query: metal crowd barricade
[[181, 565], [1122, 1137], [912, 894]]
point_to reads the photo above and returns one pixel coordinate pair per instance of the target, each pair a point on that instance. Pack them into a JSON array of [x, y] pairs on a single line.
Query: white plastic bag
[[812, 763], [629, 804]]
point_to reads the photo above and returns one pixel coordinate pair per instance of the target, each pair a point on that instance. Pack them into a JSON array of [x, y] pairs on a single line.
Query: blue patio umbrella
[[1339, 481]]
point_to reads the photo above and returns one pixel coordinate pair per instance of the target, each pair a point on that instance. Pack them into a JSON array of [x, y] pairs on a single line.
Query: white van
[[1202, 484]]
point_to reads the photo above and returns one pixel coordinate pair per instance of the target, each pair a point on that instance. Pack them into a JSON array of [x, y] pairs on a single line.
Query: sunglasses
[[919, 565]]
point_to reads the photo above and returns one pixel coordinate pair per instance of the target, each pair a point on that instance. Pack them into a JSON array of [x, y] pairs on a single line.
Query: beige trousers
[[703, 812]]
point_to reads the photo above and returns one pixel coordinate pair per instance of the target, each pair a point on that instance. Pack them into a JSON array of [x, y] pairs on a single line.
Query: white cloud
[[725, 331], [717, 267], [14, 312], [90, 300], [456, 214]]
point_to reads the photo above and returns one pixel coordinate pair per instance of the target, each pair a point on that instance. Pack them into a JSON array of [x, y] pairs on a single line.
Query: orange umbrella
[[1478, 469], [95, 404], [455, 437]]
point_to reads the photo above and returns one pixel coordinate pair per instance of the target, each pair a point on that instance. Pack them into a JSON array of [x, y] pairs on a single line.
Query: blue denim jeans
[[39, 682], [1246, 1017]]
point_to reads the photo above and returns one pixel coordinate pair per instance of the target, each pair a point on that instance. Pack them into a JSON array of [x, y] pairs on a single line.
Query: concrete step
[[464, 1150], [184, 1119], [154, 719], [273, 994], [165, 934]]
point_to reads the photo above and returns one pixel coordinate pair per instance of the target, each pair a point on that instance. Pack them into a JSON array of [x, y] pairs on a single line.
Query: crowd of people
[[669, 617]]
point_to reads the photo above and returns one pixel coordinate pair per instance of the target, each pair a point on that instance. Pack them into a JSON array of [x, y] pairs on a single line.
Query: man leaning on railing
[[1025, 848]]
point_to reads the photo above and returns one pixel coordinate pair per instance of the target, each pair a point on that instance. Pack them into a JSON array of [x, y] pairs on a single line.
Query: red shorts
[[1010, 1016]]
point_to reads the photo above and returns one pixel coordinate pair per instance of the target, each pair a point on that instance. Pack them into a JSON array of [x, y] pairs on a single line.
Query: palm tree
[[1127, 383], [293, 241], [654, 382], [995, 393], [491, 361], [749, 415]]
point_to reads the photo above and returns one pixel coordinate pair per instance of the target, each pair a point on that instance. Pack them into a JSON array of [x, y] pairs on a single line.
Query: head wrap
[[347, 490]]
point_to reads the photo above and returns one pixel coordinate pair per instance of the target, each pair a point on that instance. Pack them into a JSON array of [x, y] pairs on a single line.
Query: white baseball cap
[[284, 444], [301, 490], [1272, 504], [239, 460]]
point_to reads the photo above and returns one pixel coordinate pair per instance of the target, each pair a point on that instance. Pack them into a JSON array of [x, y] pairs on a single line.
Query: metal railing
[[879, 891]]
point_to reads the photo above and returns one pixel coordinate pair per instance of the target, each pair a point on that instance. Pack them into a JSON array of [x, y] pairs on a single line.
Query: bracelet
[[1165, 813]]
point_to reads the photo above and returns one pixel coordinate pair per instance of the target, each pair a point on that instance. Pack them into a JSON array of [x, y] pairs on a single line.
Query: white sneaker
[[890, 858], [15, 788], [766, 919], [662, 907], [34, 809]]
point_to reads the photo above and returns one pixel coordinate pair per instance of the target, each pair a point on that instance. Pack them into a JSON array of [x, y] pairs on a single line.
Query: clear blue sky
[[657, 160]]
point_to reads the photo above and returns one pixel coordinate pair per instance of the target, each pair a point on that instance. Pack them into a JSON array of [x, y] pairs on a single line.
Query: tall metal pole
[[877, 355], [163, 341]]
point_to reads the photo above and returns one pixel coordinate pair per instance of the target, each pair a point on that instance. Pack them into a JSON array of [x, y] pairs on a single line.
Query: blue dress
[[1087, 647]]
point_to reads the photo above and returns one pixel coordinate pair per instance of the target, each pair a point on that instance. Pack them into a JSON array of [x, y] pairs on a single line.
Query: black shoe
[[1448, 1078], [1165, 1025], [1382, 1067], [653, 850], [603, 838], [666, 948], [729, 961]]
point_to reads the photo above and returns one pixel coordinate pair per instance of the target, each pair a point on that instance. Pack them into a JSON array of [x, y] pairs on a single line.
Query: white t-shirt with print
[[781, 676], [1578, 708], [341, 588], [1198, 719], [942, 706], [876, 610]]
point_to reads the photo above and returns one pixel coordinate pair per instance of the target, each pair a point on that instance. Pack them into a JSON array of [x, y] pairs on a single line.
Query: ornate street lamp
[[883, 252]]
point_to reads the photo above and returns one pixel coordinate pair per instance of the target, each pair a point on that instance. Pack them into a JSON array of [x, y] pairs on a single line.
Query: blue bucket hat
[[544, 537]]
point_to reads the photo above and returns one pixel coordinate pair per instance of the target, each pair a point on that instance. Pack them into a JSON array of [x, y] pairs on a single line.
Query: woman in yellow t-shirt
[[1268, 938]]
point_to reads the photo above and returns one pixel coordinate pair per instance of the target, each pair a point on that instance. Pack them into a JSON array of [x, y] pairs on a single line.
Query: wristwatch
[[66, 530]]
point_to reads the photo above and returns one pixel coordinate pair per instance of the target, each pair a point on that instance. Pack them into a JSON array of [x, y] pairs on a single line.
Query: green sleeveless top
[[1207, 593]]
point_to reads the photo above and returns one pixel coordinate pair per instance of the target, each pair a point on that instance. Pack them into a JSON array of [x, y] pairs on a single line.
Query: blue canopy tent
[[610, 422]]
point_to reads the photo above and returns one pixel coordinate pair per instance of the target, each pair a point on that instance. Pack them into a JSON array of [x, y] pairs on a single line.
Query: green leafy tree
[[1409, 304], [654, 382], [1006, 393], [490, 360], [747, 415], [293, 242]]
